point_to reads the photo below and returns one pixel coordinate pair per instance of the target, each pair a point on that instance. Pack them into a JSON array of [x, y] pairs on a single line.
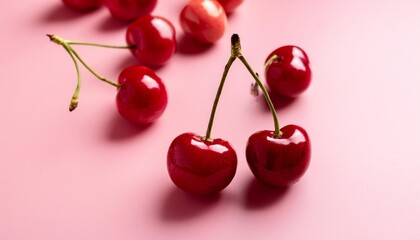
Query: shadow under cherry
[[110, 23], [279, 102], [121, 129], [188, 46], [60, 13], [259, 196], [179, 205]]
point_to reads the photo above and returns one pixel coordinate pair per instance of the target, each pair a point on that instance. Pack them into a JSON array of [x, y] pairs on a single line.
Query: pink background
[[91, 175]]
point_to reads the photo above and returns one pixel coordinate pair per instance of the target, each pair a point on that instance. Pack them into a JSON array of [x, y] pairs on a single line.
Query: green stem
[[66, 44], [216, 100], [277, 132], [100, 77], [75, 98], [270, 60], [99, 45]]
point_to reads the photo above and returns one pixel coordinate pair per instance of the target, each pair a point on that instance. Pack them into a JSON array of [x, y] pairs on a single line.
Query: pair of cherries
[[141, 94], [203, 165]]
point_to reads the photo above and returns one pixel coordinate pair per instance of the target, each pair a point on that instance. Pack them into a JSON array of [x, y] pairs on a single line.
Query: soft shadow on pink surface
[[179, 205], [130, 60], [279, 102], [110, 23], [259, 196], [120, 129], [189, 46], [126, 61], [60, 13]]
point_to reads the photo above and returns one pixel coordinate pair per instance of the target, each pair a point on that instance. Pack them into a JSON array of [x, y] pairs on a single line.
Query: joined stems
[[236, 52], [67, 45], [74, 55]]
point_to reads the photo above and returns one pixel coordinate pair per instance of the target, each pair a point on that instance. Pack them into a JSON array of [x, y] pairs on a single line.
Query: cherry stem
[[66, 44], [74, 55], [277, 132], [235, 52], [97, 75], [216, 100], [75, 98], [271, 60], [99, 45]]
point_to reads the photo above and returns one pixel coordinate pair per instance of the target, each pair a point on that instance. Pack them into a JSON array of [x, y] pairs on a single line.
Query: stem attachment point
[[235, 46]]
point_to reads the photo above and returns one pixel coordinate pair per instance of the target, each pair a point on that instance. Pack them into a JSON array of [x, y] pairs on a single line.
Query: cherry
[[230, 5], [129, 10], [203, 165], [142, 96], [153, 38], [287, 71], [279, 161], [203, 20], [199, 166], [82, 5]]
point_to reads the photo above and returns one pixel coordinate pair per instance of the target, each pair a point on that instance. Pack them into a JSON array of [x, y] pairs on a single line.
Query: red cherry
[[154, 39], [200, 166], [129, 10], [230, 5], [203, 20], [279, 161], [82, 5], [142, 96], [287, 71]]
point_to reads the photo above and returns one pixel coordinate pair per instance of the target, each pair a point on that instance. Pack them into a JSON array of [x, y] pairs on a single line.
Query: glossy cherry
[[230, 5], [287, 71], [153, 38], [82, 5], [200, 166], [203, 20], [129, 10], [279, 161], [142, 96], [203, 165]]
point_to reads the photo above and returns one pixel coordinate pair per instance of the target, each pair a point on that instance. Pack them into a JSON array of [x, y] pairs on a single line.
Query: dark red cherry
[[142, 96], [230, 5], [279, 161], [203, 20], [82, 5], [199, 166], [288, 72], [153, 38], [129, 10]]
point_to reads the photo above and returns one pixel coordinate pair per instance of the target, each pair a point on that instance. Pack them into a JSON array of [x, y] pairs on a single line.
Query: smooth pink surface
[[89, 174]]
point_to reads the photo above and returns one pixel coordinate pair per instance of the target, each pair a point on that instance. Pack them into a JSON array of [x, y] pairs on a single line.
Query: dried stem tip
[[235, 46], [56, 39], [73, 103]]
